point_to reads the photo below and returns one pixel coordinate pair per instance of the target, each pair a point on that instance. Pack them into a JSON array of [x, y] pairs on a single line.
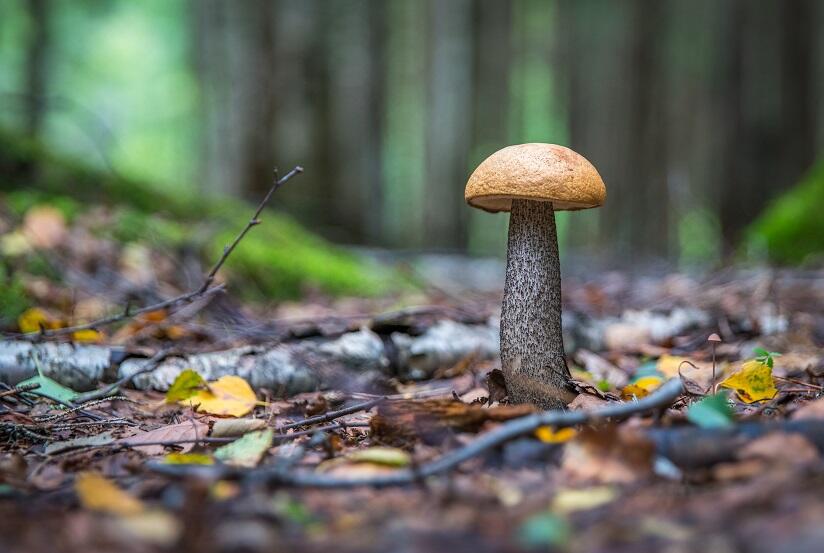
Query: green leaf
[[187, 384], [248, 450], [50, 389], [542, 531], [711, 412]]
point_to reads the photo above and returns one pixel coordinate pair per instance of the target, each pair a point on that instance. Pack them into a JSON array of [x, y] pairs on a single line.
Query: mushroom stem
[[532, 346]]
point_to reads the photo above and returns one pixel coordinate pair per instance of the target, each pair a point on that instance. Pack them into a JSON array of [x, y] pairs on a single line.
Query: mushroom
[[532, 181]]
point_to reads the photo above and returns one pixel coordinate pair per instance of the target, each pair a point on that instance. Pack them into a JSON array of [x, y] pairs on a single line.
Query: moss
[[278, 259], [790, 230], [13, 299]]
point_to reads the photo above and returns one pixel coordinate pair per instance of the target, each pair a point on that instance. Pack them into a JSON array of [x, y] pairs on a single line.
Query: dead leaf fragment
[[229, 428], [44, 227], [97, 493], [189, 430]]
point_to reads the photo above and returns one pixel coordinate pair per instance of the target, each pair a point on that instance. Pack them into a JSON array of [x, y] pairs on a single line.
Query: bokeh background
[[704, 117]]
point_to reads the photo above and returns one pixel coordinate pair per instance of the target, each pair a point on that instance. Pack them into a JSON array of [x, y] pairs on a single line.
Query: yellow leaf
[[641, 387], [754, 382], [387, 456], [88, 335], [228, 395], [549, 435], [188, 459], [32, 320], [568, 500], [97, 493]]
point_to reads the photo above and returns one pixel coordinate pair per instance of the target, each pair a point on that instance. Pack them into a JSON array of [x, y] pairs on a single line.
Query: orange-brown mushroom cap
[[540, 172]]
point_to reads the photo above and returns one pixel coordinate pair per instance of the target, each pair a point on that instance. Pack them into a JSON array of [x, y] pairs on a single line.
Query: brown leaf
[[188, 430], [496, 384], [608, 454], [402, 422]]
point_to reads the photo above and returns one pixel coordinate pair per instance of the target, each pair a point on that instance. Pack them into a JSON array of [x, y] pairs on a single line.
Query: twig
[[21, 388], [332, 415], [151, 364], [660, 398], [172, 304]]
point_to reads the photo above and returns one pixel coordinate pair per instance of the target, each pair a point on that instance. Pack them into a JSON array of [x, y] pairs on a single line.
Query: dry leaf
[[228, 396], [44, 227], [97, 493], [188, 430], [641, 387], [550, 435], [229, 428], [754, 382], [35, 319]]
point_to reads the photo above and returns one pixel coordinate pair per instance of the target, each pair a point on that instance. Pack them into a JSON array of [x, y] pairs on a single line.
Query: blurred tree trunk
[[355, 62], [448, 122], [771, 103], [235, 58], [492, 29], [37, 55]]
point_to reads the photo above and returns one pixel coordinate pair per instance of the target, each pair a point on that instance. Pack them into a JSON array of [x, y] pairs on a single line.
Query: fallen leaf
[[608, 454], [248, 450], [155, 527], [188, 459], [387, 456], [84, 441], [187, 384], [711, 412], [568, 501], [227, 396], [783, 448], [87, 336], [641, 387], [754, 382], [49, 388], [544, 532], [811, 410], [229, 428], [35, 320], [44, 227], [188, 430], [550, 435], [97, 493]]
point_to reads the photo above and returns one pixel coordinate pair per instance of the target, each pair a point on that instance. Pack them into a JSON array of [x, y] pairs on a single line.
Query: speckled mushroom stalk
[[532, 345]]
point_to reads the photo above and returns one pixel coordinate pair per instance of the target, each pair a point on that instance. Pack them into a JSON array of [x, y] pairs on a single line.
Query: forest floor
[[358, 461]]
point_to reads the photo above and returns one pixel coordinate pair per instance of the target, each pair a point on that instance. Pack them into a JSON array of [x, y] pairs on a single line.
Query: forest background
[[701, 116]]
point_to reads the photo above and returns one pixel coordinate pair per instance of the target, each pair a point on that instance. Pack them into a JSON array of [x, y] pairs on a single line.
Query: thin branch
[[332, 415], [204, 290], [659, 399], [112, 389]]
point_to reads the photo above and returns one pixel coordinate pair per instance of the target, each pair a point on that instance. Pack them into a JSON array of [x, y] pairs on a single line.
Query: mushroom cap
[[540, 172]]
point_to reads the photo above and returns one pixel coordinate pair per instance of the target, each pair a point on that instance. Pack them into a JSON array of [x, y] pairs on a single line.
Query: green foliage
[[13, 299], [790, 229], [278, 259], [187, 384], [711, 412], [542, 531], [766, 357]]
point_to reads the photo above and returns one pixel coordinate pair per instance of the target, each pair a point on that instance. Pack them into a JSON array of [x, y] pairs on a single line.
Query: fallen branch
[[331, 415], [659, 399], [170, 305]]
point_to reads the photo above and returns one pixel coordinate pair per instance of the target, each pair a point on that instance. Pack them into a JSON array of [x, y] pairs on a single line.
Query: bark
[[532, 345]]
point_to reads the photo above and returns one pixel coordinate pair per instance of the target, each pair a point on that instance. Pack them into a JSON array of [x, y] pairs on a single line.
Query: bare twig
[[205, 289], [660, 398], [332, 415], [151, 364]]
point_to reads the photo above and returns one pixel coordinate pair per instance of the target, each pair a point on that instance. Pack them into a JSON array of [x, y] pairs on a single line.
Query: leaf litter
[[739, 470]]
